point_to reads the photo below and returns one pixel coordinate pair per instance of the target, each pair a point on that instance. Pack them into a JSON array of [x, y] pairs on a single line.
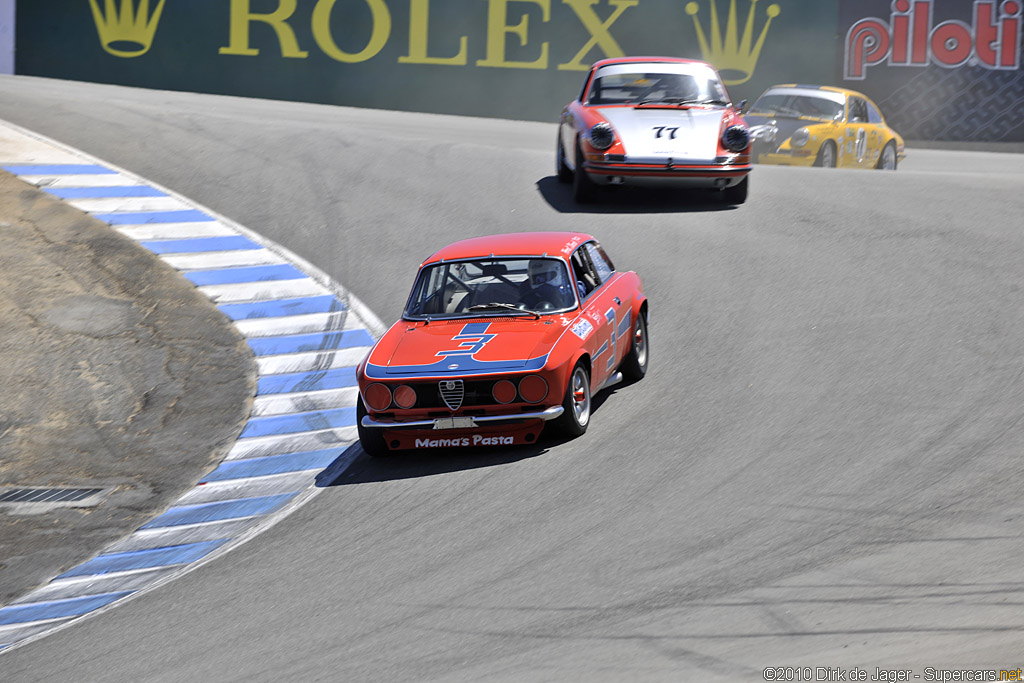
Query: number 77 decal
[[671, 134]]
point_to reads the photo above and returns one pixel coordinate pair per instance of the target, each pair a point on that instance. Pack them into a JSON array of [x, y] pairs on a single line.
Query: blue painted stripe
[[145, 217], [336, 378], [57, 609], [459, 366], [103, 192], [273, 464], [301, 343], [214, 512], [247, 274], [145, 559], [474, 328], [604, 347], [300, 422], [200, 244], [58, 169], [282, 307]]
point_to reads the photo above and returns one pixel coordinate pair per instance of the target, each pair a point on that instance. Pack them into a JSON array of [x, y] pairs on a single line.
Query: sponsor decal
[[459, 441], [582, 329], [128, 31], [734, 57], [912, 38]]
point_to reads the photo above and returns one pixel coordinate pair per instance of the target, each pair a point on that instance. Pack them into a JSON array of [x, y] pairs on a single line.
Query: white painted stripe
[[213, 260], [174, 231], [285, 404], [264, 291], [79, 586], [14, 632], [128, 204], [298, 324], [149, 539], [249, 487], [311, 362], [278, 444], [83, 180]]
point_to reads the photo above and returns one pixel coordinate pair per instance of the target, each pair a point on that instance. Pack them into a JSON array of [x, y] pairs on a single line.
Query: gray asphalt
[[821, 469]]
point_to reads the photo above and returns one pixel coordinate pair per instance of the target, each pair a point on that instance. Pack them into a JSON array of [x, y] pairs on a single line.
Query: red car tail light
[[504, 391], [405, 396], [533, 388], [377, 396]]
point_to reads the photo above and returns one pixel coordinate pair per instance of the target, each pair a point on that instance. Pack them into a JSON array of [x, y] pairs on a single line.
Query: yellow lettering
[[323, 37], [419, 18], [240, 19], [498, 28], [599, 34]]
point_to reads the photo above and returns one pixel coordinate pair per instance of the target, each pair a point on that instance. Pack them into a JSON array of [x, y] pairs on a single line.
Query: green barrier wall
[[520, 59]]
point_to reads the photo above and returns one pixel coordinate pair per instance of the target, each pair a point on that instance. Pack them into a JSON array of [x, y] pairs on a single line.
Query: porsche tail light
[[405, 396], [377, 396], [504, 391], [533, 388]]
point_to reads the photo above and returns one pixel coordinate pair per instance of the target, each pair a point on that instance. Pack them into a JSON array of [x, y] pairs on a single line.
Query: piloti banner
[[939, 69], [520, 59]]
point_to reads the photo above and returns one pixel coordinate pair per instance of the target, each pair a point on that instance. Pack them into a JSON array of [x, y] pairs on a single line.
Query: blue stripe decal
[[57, 609], [145, 559], [300, 422], [200, 244], [229, 276], [58, 169], [302, 343], [463, 366], [144, 217], [604, 347], [282, 307], [214, 512], [336, 378], [624, 326], [273, 464], [105, 192], [474, 328]]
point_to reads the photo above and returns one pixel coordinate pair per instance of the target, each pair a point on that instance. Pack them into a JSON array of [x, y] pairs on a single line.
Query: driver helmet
[[545, 271]]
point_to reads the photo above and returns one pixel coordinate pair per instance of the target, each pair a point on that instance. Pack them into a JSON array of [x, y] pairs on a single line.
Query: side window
[[874, 116], [858, 110], [583, 272], [602, 265]]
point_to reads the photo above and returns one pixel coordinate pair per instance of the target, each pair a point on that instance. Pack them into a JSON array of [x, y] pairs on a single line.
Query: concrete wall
[[940, 69]]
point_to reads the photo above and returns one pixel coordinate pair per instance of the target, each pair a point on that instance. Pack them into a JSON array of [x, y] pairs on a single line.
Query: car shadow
[[354, 466], [614, 199]]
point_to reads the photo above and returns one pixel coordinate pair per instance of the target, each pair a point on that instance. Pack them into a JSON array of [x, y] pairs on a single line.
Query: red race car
[[653, 121], [500, 336]]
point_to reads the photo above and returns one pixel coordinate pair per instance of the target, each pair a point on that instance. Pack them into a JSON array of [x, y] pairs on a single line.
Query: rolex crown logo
[[733, 56], [126, 32]]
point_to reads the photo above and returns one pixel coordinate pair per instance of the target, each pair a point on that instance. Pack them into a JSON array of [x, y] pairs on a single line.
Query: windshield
[[653, 83], [492, 286], [799, 104]]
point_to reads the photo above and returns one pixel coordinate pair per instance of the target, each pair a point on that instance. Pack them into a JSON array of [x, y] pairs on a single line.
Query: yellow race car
[[817, 125]]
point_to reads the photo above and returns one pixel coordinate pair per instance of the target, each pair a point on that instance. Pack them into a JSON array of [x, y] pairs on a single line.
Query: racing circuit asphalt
[[822, 468]]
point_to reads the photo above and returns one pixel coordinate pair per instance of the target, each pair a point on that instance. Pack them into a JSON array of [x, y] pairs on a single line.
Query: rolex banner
[[520, 59], [524, 59]]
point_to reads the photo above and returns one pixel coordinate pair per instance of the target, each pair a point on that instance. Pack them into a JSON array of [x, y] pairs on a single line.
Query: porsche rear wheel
[[576, 404], [634, 365], [887, 160], [737, 194], [826, 155], [582, 186], [370, 439], [563, 171]]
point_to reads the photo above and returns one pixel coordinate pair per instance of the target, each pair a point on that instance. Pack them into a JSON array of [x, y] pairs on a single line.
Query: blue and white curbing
[[306, 332]]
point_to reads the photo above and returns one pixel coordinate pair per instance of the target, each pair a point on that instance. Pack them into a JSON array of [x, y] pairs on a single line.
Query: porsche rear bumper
[[661, 172]]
